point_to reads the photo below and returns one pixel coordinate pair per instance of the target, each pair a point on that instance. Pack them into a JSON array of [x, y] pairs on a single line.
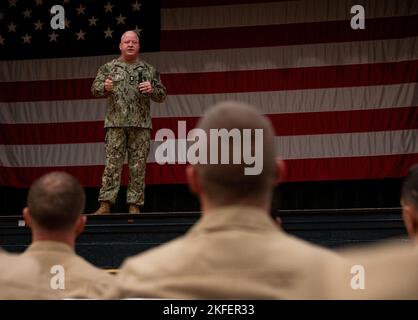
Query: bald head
[[229, 183], [55, 201]]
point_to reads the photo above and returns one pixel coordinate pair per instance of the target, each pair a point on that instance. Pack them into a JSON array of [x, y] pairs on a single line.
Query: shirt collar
[[44, 245], [237, 216]]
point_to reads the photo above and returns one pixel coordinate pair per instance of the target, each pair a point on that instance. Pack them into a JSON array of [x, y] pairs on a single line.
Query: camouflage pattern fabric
[[128, 124], [136, 143], [126, 105]]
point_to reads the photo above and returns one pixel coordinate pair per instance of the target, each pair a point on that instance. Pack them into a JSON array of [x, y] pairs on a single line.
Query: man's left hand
[[145, 87]]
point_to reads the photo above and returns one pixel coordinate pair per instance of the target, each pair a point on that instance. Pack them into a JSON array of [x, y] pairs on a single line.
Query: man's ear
[[80, 224], [26, 217], [280, 170], [410, 218], [193, 179], [278, 221]]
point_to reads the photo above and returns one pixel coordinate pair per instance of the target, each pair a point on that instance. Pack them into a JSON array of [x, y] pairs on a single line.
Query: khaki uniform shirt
[[21, 279], [387, 270], [81, 279], [234, 252]]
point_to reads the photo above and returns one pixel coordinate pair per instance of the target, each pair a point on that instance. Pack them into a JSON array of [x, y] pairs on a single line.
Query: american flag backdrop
[[343, 102]]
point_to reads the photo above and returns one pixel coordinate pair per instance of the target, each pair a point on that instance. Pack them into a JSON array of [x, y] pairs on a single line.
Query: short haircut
[[409, 192], [55, 201], [227, 183], [124, 34]]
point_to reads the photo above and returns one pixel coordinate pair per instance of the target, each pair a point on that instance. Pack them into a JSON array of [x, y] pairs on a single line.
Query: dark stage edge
[[109, 239]]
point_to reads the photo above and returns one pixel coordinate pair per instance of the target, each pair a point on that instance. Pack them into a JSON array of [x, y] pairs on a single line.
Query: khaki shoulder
[[21, 278], [379, 271]]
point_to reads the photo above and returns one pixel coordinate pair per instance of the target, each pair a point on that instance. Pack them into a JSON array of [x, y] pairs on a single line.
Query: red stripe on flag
[[205, 3], [232, 81], [46, 90], [296, 170], [292, 78], [284, 124], [288, 34], [90, 176], [349, 168], [51, 133]]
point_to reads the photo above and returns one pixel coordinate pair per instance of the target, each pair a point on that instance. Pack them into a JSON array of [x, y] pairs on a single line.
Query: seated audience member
[[55, 203], [386, 270], [21, 279], [236, 250]]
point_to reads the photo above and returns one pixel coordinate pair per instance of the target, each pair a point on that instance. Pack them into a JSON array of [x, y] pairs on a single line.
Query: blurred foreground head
[[244, 134]]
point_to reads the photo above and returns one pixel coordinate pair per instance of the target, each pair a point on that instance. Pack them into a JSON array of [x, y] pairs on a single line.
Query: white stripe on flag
[[277, 102], [286, 12], [288, 147], [300, 56]]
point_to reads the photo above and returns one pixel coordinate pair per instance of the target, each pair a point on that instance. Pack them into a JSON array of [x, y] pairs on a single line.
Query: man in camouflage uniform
[[129, 84]]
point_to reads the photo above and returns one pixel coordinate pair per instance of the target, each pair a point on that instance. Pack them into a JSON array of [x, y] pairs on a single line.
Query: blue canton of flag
[[91, 27]]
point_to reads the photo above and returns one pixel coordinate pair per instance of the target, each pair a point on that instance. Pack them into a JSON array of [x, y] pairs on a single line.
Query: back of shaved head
[[227, 183], [55, 201]]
